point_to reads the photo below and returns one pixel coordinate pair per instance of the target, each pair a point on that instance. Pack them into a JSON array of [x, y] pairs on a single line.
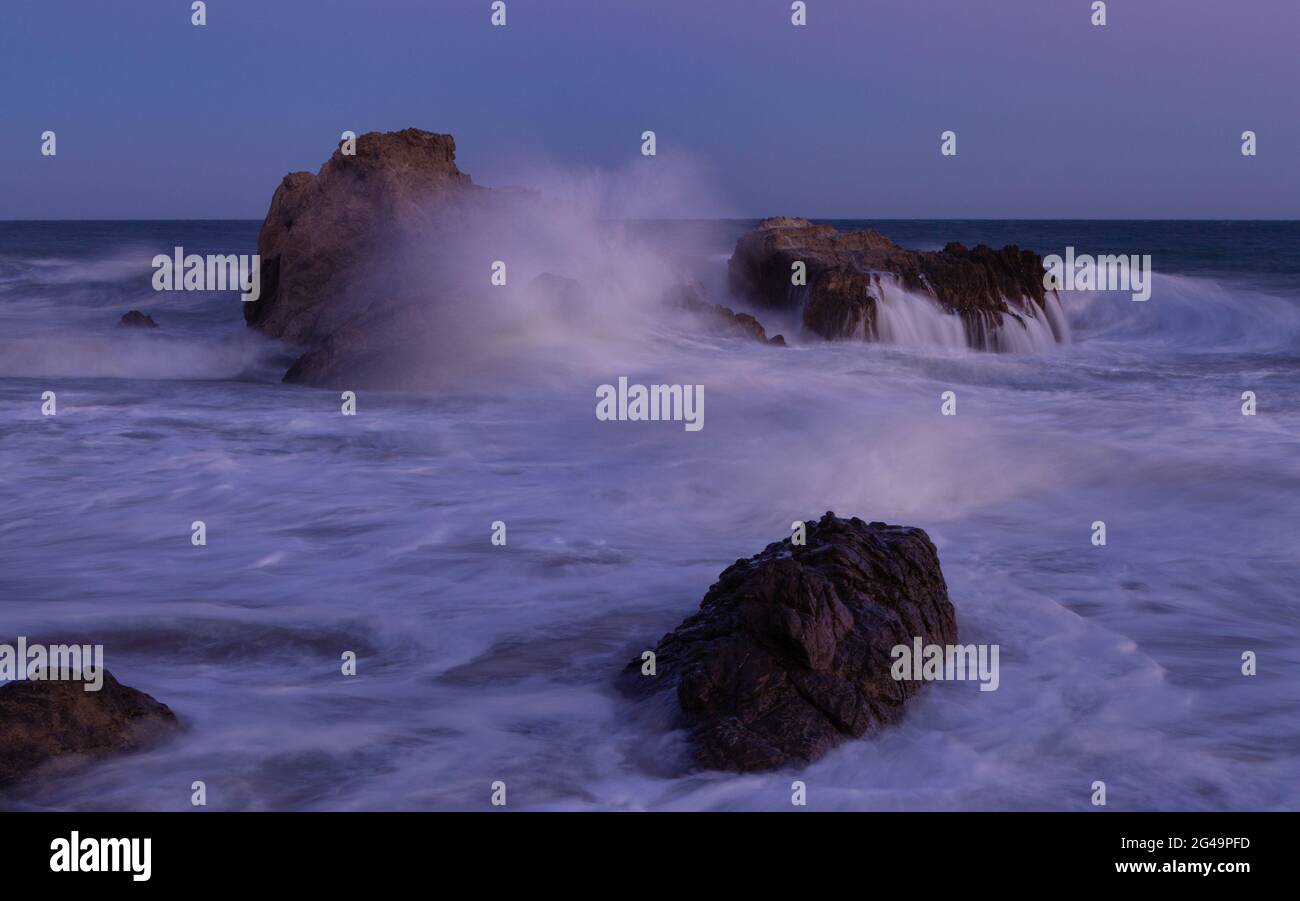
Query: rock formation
[[323, 230], [989, 289], [377, 267], [136, 319], [724, 321], [41, 722], [789, 654], [354, 257]]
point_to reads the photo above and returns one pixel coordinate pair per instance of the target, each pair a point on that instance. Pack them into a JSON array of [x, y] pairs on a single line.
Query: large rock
[[789, 654], [989, 289], [378, 267], [344, 253], [323, 230], [41, 722]]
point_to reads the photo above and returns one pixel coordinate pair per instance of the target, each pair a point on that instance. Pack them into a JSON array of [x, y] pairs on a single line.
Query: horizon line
[[734, 219]]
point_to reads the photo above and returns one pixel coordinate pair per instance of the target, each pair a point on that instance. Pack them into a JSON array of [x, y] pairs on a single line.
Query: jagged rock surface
[[789, 654], [988, 288]]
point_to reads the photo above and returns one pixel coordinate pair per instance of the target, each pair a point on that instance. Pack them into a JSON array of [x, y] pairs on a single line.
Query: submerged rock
[[789, 654], [42, 722], [563, 298], [848, 272], [136, 319], [720, 319]]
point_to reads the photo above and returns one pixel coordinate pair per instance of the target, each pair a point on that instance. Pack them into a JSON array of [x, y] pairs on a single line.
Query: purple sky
[[1055, 118]]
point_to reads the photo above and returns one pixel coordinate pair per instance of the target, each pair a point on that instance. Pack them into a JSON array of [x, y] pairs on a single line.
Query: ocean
[[477, 663]]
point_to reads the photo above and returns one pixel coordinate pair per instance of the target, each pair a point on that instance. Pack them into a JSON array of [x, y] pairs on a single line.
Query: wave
[[132, 263], [128, 354], [910, 319], [1189, 313], [1184, 313]]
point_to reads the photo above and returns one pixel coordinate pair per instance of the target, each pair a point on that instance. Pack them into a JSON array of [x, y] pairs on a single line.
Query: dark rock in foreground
[[41, 722], [789, 654], [136, 319], [989, 289]]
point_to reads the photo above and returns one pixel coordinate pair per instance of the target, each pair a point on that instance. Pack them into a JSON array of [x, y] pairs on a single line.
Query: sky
[[841, 118]]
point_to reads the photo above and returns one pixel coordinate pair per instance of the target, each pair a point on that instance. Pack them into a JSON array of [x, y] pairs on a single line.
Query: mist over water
[[477, 663]]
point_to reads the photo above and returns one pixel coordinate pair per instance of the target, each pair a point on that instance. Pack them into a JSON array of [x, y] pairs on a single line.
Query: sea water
[[478, 662]]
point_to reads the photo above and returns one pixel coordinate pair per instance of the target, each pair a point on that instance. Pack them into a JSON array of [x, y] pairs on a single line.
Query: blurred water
[[477, 663]]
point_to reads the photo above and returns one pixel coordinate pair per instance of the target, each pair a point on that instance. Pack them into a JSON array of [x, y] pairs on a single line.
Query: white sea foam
[[372, 533]]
